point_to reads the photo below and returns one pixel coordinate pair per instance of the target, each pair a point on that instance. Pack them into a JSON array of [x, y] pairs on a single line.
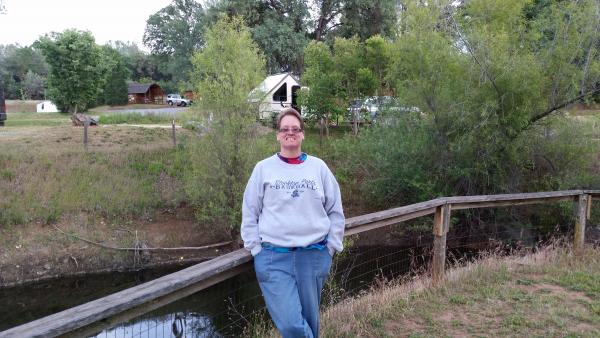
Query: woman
[[292, 223]]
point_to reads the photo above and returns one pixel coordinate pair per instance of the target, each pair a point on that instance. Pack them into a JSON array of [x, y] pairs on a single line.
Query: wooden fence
[[106, 312]]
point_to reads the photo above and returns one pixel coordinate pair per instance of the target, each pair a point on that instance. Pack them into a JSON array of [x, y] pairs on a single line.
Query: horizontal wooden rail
[[110, 310]]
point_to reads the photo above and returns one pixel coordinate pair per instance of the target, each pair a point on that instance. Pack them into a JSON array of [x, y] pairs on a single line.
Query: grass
[[135, 118], [125, 108], [548, 294], [21, 106], [46, 173], [37, 120]]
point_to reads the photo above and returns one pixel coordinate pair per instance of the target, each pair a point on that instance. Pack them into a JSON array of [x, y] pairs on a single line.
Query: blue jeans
[[291, 284]]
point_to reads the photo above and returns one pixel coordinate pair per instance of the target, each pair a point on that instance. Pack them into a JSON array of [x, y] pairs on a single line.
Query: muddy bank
[[78, 246]]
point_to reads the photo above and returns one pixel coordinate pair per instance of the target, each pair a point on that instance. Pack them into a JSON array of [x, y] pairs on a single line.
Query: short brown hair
[[290, 111]]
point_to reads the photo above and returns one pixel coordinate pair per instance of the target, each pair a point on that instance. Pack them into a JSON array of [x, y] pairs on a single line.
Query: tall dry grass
[[45, 173]]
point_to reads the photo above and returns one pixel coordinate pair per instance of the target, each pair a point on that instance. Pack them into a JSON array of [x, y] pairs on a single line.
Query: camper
[[46, 107], [275, 93]]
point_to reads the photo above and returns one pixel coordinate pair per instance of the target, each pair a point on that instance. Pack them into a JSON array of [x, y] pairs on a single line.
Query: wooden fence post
[[86, 124], [589, 207], [441, 221], [581, 217], [173, 129]]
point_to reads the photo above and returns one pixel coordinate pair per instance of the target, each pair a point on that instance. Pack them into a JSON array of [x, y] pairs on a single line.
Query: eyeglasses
[[293, 130]]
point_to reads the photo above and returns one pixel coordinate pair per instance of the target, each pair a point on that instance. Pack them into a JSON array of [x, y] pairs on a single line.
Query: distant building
[[46, 107], [145, 93], [275, 93], [189, 94]]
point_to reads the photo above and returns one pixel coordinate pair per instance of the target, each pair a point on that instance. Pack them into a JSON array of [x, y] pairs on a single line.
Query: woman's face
[[286, 136]]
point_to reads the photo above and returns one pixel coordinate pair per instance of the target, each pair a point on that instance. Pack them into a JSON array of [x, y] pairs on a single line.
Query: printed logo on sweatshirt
[[294, 187]]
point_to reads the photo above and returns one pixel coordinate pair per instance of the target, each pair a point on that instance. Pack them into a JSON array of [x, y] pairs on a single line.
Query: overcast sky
[[24, 21]]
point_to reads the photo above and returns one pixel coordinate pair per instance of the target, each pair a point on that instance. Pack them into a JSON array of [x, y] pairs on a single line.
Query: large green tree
[[279, 28], [74, 77], [491, 79], [24, 70], [225, 71], [228, 67], [367, 18], [115, 75], [174, 33]]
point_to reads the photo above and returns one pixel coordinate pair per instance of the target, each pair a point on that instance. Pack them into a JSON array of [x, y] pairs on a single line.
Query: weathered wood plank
[[589, 207], [512, 197], [441, 224], [511, 203], [391, 213], [389, 221], [580, 220], [88, 313]]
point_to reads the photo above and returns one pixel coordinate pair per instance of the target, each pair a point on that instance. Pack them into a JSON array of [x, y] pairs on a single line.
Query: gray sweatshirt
[[292, 205]]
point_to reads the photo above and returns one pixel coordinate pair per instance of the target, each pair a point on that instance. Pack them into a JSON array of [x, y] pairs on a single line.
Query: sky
[[24, 21]]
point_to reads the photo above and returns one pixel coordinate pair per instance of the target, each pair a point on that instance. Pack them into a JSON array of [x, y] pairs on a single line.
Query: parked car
[[3, 115], [357, 111], [176, 99]]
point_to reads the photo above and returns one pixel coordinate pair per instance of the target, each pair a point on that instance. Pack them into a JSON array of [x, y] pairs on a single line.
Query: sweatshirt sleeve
[[335, 212], [251, 209]]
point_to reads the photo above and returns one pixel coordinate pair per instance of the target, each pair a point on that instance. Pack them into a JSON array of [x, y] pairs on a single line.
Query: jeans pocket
[[262, 265], [324, 264]]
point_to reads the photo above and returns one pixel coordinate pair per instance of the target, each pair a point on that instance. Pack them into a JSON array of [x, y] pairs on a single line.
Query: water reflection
[[176, 325]]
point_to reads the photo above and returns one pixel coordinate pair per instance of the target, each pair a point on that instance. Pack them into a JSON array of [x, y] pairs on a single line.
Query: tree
[[282, 45], [175, 33], [74, 77], [116, 74], [279, 27], [367, 18], [228, 67], [322, 81], [15, 63], [489, 76], [225, 71], [33, 85]]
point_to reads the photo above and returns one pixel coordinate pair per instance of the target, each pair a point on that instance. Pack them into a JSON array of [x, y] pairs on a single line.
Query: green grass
[[47, 174], [135, 118], [549, 294], [37, 119]]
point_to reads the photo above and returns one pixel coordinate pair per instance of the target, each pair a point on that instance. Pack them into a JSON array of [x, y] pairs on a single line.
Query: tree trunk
[[321, 132]]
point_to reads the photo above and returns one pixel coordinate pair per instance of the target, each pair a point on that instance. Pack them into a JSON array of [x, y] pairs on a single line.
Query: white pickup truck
[[176, 99]]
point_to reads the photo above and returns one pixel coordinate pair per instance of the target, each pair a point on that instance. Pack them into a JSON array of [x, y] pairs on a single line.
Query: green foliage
[[33, 85], [350, 70], [137, 118], [74, 77], [321, 79], [174, 33], [23, 70], [114, 89], [367, 18], [281, 45], [228, 67], [485, 78], [220, 163], [226, 70]]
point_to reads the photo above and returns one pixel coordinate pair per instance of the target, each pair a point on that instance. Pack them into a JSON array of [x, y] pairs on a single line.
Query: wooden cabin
[[145, 93]]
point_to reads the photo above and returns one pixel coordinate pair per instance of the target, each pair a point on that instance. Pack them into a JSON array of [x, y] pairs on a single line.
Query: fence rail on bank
[[91, 317]]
